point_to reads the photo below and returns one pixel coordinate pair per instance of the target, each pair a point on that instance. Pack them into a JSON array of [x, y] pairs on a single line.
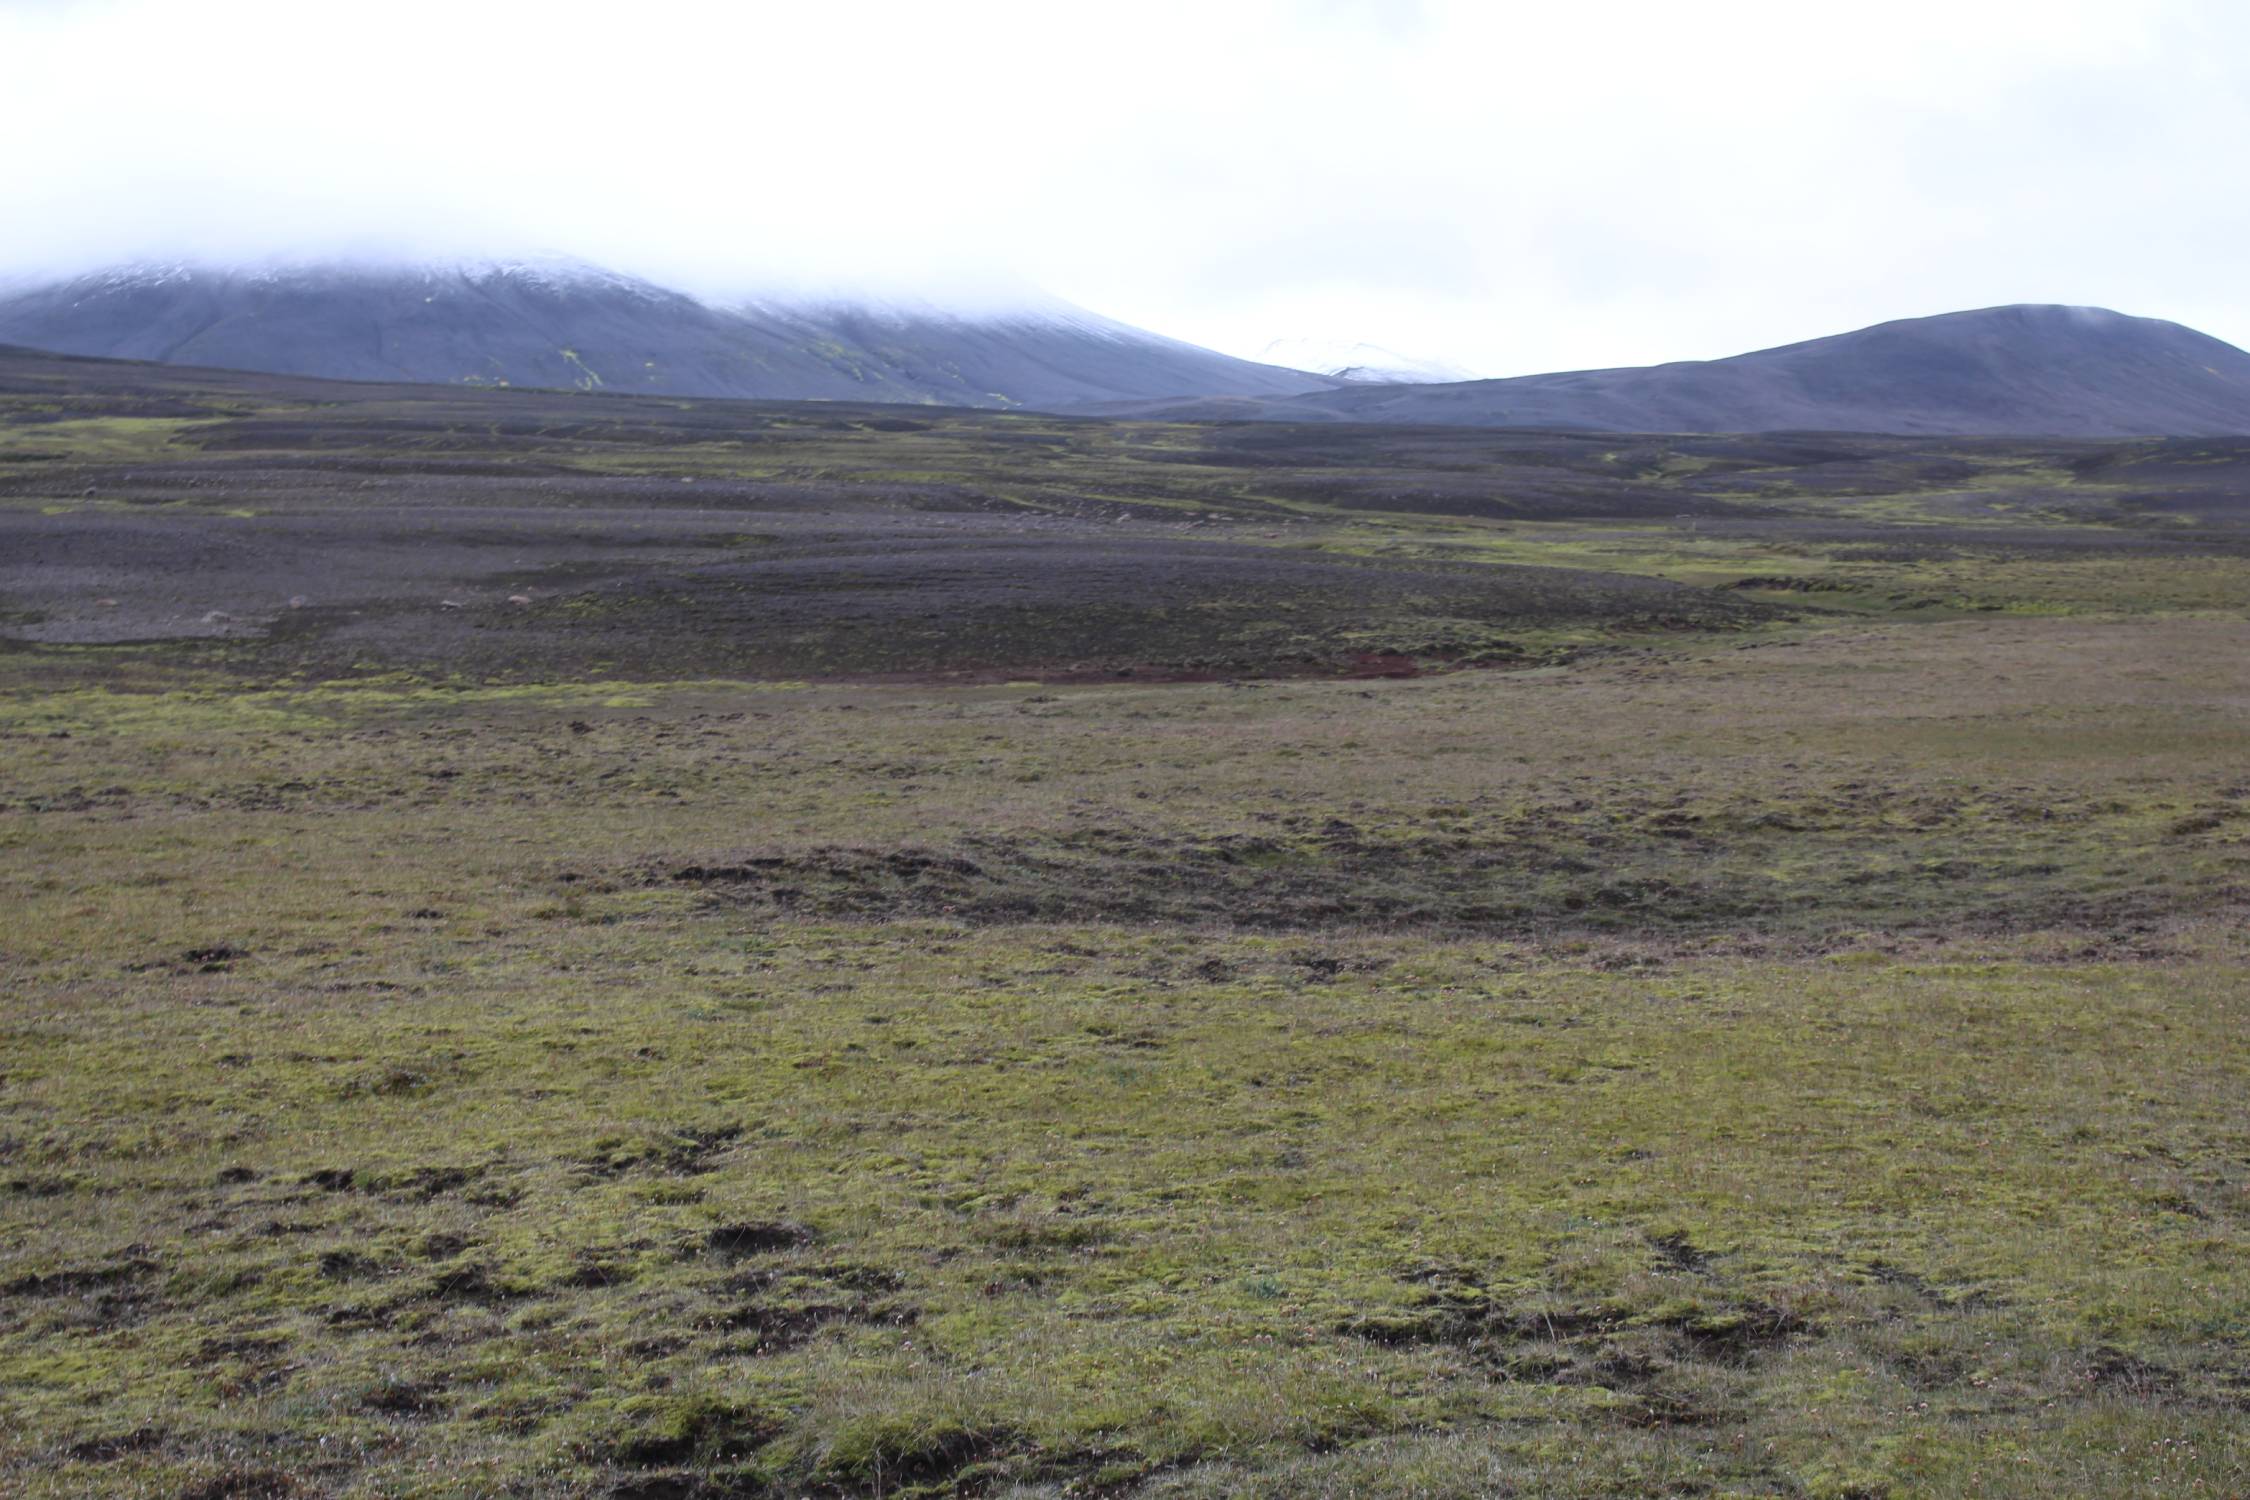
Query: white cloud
[[1510, 187]]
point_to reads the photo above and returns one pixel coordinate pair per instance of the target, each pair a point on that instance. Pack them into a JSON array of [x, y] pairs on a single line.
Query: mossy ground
[[1815, 1069], [1763, 1014]]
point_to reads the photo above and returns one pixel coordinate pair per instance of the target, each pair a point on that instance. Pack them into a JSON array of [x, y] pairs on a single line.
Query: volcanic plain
[[555, 944]]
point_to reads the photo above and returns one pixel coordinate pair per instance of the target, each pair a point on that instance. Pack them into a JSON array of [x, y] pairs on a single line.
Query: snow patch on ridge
[[1369, 364], [554, 273]]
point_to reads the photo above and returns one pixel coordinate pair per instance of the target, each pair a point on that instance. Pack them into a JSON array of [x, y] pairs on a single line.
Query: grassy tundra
[[1475, 964]]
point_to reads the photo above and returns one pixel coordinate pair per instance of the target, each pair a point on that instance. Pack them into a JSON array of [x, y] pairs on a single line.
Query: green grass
[[1906, 574], [97, 439], [383, 1113]]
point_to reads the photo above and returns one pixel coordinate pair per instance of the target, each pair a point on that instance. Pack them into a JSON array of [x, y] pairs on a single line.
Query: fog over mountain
[[553, 321], [1503, 188]]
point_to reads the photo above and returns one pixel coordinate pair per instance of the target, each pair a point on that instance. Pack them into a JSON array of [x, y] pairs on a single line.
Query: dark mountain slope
[[1046, 357], [562, 324], [2025, 370]]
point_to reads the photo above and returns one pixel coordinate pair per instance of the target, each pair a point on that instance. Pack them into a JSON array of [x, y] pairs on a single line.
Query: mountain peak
[[2024, 369], [558, 321], [2057, 317]]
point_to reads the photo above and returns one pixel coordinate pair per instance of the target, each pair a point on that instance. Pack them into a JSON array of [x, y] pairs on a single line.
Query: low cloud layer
[[1505, 187]]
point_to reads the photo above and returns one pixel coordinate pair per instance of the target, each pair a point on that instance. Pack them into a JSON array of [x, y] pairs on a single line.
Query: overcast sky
[[1508, 187]]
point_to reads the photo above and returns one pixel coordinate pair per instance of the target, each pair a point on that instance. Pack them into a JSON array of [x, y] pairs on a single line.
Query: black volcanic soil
[[683, 591], [305, 527]]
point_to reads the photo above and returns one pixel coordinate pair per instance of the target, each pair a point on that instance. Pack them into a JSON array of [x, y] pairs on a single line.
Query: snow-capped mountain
[[1365, 364], [554, 321]]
